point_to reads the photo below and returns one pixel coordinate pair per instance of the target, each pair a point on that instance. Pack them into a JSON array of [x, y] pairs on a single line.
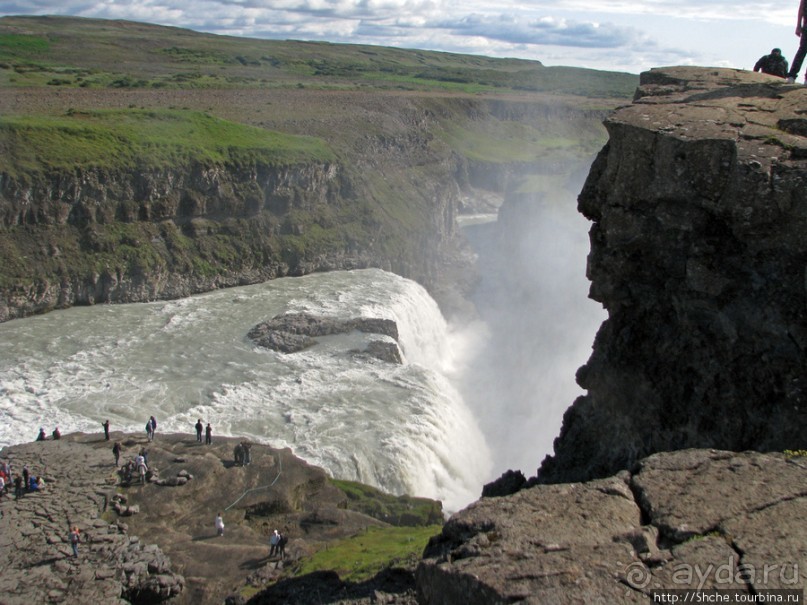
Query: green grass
[[152, 56], [361, 557], [18, 45], [126, 139], [395, 510]]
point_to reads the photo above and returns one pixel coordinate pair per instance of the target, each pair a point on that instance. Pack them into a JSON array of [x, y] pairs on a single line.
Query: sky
[[613, 35]]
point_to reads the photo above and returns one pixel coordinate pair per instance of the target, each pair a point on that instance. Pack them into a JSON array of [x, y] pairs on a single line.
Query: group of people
[[56, 434], [151, 428], [208, 432], [277, 544], [140, 462], [776, 65], [27, 482], [277, 541], [136, 468], [24, 482]]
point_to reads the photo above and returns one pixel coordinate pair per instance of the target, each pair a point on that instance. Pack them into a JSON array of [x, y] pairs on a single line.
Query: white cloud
[[621, 35]]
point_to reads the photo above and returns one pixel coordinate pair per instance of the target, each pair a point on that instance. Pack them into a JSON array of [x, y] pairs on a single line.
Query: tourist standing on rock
[[116, 449], [75, 538], [801, 25], [17, 487], [273, 540], [140, 463], [151, 427], [199, 428], [25, 475], [281, 546], [208, 434], [106, 429], [219, 525]]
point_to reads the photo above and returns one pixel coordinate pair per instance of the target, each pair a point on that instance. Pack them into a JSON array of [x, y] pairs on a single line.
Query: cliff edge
[[699, 210], [155, 542], [696, 520]]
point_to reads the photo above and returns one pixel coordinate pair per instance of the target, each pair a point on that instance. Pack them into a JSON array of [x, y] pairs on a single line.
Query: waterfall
[[402, 428]]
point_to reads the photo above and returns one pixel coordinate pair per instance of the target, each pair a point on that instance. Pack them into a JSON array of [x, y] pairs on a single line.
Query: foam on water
[[402, 428]]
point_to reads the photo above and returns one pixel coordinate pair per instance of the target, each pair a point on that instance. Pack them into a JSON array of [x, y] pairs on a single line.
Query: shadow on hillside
[[204, 538], [257, 563], [322, 587]]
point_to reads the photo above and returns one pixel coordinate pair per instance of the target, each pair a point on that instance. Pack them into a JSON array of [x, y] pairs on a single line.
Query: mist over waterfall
[[535, 326]]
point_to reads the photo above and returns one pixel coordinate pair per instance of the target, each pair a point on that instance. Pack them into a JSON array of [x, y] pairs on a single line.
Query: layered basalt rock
[[699, 211], [693, 519]]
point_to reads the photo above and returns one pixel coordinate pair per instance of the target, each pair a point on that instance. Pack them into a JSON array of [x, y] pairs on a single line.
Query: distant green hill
[[71, 52]]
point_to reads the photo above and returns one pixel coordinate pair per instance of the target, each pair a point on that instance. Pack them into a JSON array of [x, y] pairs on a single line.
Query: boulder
[[294, 332]]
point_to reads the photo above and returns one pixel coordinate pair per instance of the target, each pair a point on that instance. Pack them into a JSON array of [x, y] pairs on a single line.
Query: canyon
[[680, 467]]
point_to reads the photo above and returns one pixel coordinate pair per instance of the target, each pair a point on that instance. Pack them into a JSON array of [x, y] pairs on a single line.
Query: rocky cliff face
[[699, 210], [94, 236], [404, 167]]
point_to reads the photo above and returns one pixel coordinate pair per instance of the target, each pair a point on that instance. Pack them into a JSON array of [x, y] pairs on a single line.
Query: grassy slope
[[62, 51], [361, 557], [60, 54], [125, 139]]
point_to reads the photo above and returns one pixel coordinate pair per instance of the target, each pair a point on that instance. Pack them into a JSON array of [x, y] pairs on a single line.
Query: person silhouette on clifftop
[[802, 51]]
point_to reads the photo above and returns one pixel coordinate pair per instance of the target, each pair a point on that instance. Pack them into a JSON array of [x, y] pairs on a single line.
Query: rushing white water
[[402, 428]]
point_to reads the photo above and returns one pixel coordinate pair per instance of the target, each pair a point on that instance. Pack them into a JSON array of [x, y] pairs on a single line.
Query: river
[[472, 399]]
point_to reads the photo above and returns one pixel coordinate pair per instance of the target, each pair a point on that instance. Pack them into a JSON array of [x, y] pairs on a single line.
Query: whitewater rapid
[[402, 428]]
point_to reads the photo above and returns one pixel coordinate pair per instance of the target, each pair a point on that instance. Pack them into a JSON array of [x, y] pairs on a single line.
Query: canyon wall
[[698, 206], [403, 167]]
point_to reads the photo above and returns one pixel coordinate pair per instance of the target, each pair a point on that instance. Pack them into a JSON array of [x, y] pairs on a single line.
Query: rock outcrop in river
[[293, 332]]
